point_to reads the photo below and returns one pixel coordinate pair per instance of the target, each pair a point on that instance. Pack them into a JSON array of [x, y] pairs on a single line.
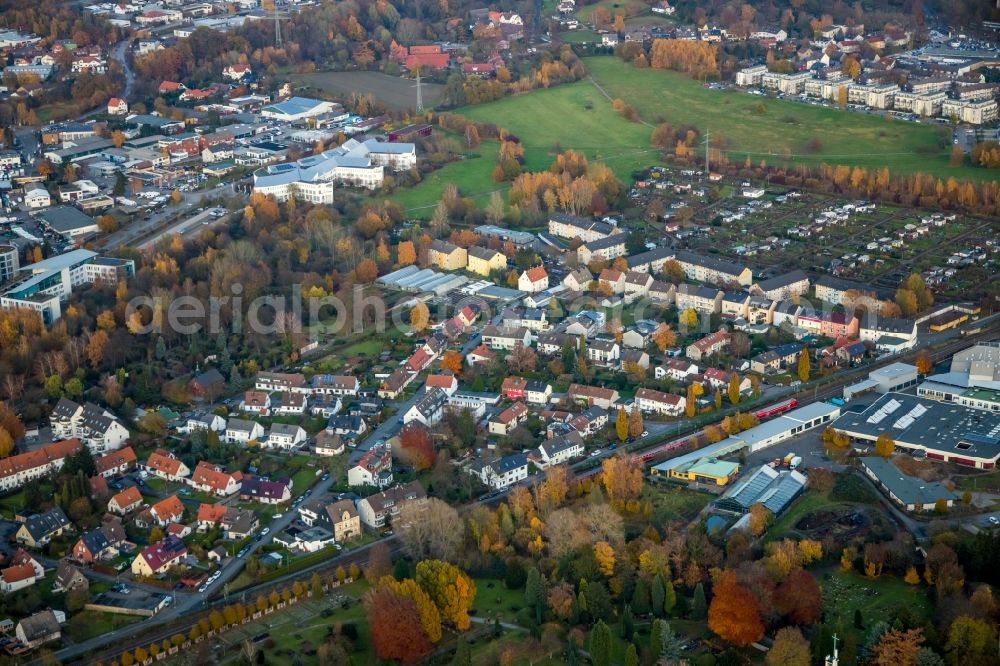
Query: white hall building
[[354, 163]]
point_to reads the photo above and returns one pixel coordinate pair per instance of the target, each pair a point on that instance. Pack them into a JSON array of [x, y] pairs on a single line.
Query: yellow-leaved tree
[[450, 589]]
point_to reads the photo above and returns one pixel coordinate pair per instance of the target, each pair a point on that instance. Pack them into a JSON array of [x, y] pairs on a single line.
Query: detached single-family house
[[708, 345], [593, 396], [164, 465], [126, 501], [117, 107], [68, 578], [40, 528], [206, 421], [533, 280], [502, 472], [558, 450], [215, 479], [159, 557], [242, 431], [168, 510], [38, 629], [374, 468], [256, 402], [505, 422], [284, 436], [115, 462]]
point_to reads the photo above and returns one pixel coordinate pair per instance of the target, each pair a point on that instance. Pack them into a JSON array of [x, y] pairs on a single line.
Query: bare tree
[[429, 530], [249, 651]]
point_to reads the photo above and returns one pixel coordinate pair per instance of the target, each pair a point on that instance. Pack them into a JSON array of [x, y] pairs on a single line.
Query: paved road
[[194, 222], [119, 53], [138, 230]]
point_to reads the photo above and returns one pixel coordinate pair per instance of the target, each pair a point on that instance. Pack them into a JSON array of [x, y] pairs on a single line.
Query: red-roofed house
[[504, 422], [418, 361], [115, 462], [17, 577], [533, 280], [514, 388], [481, 354], [117, 106], [166, 466], [22, 558], [166, 511], [17, 470], [167, 87], [447, 383], [159, 557], [209, 515], [213, 479], [125, 501], [178, 530], [237, 71]]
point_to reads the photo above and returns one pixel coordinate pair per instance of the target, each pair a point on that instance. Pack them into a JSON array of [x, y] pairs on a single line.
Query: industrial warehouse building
[[784, 427], [943, 430], [702, 465], [910, 492]]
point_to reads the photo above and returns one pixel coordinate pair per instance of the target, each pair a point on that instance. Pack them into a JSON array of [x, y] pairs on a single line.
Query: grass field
[[396, 92], [765, 127], [586, 12], [473, 177], [581, 36], [580, 117], [574, 116], [881, 599]]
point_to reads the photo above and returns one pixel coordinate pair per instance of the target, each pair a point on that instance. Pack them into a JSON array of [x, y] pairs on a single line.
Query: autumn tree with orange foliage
[[924, 363], [406, 254], [452, 361], [621, 479], [664, 337], [695, 58], [551, 492], [415, 442], [420, 317], [734, 614], [367, 271], [396, 631], [799, 598]]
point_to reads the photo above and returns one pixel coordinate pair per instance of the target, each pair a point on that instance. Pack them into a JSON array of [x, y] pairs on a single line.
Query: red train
[[667, 447], [775, 410]]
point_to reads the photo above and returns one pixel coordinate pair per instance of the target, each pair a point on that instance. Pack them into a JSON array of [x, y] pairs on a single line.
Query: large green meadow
[[780, 132]]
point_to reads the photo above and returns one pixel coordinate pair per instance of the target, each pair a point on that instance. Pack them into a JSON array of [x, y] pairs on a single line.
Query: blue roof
[[294, 106]]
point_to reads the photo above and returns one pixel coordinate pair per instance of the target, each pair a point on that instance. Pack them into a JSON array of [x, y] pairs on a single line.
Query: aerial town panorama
[[565, 332]]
